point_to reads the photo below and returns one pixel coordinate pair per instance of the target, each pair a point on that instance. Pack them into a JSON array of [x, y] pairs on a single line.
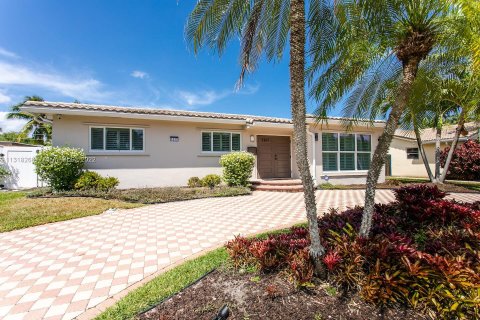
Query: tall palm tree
[[376, 51], [263, 27], [34, 126]]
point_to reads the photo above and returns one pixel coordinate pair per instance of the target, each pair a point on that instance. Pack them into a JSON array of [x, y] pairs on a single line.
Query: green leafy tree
[[34, 126], [265, 27], [374, 51]]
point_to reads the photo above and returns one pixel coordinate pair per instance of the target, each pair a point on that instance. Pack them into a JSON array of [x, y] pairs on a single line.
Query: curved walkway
[[79, 267]]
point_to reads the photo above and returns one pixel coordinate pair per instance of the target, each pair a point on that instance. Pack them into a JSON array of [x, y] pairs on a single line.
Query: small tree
[[465, 163], [60, 166], [237, 168]]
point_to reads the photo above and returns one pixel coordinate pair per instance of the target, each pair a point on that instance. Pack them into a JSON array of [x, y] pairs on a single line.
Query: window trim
[[338, 152], [211, 141], [104, 150]]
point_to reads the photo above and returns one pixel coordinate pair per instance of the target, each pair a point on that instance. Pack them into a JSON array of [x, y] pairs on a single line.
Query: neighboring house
[[156, 147], [405, 159]]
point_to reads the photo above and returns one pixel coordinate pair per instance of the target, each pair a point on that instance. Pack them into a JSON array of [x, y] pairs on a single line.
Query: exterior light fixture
[[252, 138]]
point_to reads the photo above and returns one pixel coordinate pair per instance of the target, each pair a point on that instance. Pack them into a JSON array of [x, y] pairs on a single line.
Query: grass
[[472, 185], [18, 211], [164, 286], [329, 186], [152, 195]]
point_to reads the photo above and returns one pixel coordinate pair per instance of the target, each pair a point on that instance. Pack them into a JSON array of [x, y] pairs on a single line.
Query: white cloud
[[4, 98], [139, 74], [8, 125], [6, 53], [206, 97], [200, 98], [21, 75]]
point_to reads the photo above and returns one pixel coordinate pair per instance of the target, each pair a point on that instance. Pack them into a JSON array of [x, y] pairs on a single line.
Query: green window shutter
[[347, 161], [225, 141], [206, 141], [363, 161], [364, 142], [329, 161], [217, 141], [112, 142], [235, 142], [329, 142], [118, 139], [347, 142], [137, 139], [124, 139], [96, 138]]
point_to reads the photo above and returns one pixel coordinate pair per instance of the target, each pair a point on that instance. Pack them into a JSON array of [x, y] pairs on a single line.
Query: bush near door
[[237, 168]]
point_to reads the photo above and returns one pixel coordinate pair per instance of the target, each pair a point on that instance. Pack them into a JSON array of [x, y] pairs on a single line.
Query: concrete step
[[277, 182], [275, 187]]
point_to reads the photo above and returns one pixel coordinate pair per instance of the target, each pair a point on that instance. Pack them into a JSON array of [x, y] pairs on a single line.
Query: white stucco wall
[[165, 163], [401, 166]]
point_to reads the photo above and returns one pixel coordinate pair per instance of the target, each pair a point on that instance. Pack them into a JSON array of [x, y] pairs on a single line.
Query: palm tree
[[35, 126], [376, 51], [263, 27]]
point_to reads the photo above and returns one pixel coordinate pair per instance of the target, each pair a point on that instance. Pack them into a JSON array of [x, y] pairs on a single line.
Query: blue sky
[[129, 53]]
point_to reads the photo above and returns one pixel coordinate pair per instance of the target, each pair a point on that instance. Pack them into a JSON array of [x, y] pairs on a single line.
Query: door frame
[[291, 152]]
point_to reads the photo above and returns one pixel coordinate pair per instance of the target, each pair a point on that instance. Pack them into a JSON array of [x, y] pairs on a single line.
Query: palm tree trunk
[[461, 122], [410, 68], [421, 150], [297, 96], [438, 137]]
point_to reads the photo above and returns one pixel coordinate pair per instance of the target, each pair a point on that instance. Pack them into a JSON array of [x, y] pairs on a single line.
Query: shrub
[[423, 252], [90, 180], [237, 168], [60, 167], [465, 164], [211, 180], [194, 182]]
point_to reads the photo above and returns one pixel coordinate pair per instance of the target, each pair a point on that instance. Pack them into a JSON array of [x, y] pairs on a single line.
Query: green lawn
[[472, 185], [164, 285], [17, 211]]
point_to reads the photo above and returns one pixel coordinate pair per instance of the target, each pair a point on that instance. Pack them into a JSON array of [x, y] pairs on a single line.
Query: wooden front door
[[273, 157]]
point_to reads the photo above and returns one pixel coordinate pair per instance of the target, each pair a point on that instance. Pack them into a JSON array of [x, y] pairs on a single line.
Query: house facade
[[156, 147], [405, 159]]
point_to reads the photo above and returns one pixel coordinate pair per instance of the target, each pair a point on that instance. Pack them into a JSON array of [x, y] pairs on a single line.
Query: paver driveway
[[59, 270]]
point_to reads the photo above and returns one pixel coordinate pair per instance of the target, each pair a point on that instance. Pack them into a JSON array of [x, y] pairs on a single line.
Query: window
[[116, 139], [220, 141], [412, 153], [346, 151]]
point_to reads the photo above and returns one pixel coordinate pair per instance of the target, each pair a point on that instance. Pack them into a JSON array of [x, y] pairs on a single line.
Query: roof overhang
[[130, 115]]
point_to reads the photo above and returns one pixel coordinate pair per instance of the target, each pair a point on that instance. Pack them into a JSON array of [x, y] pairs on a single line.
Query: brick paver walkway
[[60, 270]]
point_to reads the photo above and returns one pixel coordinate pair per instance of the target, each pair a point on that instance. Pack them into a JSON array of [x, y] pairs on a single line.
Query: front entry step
[[278, 185]]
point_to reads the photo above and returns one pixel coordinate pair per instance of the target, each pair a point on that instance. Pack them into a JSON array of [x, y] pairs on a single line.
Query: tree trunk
[[410, 68], [438, 137], [297, 96], [461, 122], [421, 150]]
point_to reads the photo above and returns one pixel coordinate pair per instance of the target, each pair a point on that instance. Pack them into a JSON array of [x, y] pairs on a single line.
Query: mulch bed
[[270, 296]]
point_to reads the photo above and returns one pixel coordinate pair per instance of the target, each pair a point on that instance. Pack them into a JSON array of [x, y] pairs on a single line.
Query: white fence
[[19, 161]]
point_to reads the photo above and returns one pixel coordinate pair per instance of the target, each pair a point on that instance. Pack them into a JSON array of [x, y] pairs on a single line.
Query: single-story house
[[405, 159], [157, 147]]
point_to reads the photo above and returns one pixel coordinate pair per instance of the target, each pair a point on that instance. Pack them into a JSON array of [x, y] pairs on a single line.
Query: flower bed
[[423, 252]]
